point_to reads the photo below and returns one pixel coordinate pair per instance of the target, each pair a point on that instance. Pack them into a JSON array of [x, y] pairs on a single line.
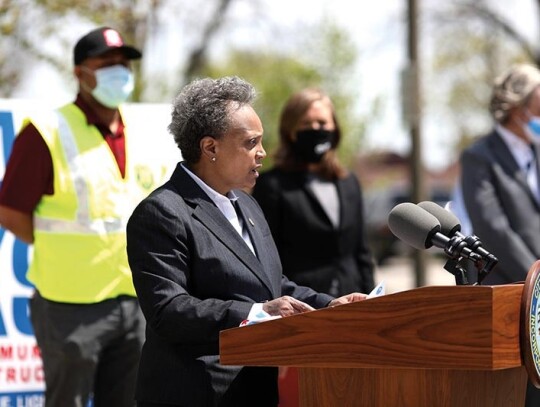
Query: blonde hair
[[512, 89]]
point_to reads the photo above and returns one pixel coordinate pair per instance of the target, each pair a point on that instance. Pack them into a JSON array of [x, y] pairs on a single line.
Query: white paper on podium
[[377, 291]]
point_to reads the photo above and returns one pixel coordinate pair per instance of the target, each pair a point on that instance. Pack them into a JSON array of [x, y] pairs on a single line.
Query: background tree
[[318, 54], [278, 73], [35, 31], [473, 42]]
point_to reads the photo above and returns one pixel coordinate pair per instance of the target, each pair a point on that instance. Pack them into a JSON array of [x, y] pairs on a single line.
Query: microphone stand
[[483, 266], [491, 261], [454, 267], [454, 249]]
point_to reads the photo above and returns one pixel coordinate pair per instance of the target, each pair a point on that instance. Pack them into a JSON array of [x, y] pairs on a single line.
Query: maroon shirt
[[29, 171]]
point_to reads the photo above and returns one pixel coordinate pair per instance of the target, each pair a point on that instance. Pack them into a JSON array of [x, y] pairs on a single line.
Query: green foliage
[[333, 55], [322, 55], [275, 77], [10, 71], [23, 23], [466, 63], [277, 74]]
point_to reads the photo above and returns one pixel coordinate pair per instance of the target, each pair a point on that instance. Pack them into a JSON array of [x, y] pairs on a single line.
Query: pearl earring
[[213, 159]]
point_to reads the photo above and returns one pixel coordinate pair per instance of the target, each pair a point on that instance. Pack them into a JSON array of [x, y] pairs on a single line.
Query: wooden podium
[[440, 346]]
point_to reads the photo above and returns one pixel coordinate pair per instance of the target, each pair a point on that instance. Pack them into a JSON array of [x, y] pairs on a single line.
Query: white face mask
[[114, 85]]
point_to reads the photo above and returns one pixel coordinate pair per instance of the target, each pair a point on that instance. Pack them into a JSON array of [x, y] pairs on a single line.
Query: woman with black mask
[[313, 204]]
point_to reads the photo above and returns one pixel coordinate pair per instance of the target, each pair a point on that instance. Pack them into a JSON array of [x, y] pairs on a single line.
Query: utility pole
[[412, 107]]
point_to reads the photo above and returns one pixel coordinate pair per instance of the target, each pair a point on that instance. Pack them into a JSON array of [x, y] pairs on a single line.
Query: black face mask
[[311, 145]]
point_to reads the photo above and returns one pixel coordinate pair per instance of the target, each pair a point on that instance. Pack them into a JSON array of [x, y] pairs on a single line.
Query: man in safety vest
[[70, 185]]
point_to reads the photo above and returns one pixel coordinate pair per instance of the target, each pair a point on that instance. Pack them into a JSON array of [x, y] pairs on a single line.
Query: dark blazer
[[195, 276], [313, 252], [504, 213]]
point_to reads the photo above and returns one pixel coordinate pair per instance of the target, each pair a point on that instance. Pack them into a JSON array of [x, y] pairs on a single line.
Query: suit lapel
[[211, 217], [345, 210], [506, 159], [305, 184], [537, 162], [251, 223]]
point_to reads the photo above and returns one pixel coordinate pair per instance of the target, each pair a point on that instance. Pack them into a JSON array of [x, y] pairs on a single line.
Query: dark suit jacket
[[313, 252], [503, 212], [195, 276]]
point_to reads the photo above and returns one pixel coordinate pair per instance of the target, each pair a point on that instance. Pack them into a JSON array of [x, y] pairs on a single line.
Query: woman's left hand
[[346, 299]]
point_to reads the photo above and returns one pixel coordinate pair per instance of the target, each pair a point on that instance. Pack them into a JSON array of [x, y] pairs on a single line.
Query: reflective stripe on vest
[[79, 251], [83, 224]]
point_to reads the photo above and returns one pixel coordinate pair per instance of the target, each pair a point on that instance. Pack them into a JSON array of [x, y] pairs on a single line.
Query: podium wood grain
[[430, 346], [411, 388]]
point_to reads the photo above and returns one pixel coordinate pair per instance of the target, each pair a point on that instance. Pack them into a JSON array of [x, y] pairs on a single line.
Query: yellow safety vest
[[79, 251]]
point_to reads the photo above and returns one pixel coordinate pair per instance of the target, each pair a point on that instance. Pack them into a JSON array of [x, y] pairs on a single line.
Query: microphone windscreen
[[413, 225], [449, 222]]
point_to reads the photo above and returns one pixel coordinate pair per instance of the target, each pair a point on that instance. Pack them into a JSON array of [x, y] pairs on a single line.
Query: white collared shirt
[[224, 204], [326, 192], [523, 154]]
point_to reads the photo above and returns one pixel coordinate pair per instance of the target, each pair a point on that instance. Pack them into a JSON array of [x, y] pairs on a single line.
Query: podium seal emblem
[[530, 324]]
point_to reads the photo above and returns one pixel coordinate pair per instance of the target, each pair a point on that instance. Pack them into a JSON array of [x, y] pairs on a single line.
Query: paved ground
[[398, 274]]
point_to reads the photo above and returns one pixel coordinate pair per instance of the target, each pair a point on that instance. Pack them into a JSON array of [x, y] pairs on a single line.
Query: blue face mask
[[114, 85], [533, 125]]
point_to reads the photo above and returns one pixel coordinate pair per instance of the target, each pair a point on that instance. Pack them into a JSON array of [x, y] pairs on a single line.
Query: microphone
[[449, 222], [451, 227], [421, 230]]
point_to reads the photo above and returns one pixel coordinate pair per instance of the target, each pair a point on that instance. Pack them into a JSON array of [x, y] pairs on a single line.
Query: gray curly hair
[[203, 108], [512, 89]]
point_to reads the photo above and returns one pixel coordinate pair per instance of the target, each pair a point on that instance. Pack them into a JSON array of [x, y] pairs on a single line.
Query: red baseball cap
[[99, 41]]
